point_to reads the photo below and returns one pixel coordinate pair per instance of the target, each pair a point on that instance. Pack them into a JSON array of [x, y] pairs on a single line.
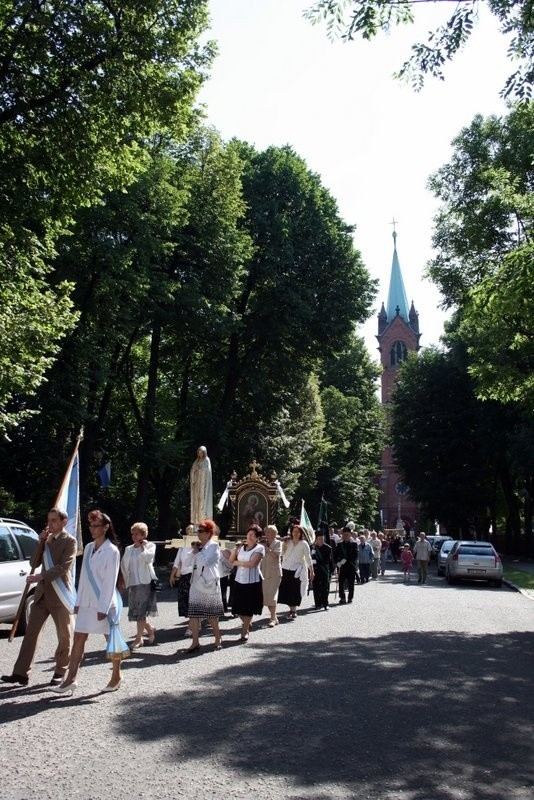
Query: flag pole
[[62, 497], [66, 477]]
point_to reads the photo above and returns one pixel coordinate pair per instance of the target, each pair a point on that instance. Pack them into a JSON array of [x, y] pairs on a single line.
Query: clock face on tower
[[401, 489]]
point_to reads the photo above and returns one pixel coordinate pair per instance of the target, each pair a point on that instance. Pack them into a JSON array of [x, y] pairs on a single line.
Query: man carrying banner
[[54, 596]]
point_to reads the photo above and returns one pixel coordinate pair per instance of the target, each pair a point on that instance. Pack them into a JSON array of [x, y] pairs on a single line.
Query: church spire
[[397, 300]]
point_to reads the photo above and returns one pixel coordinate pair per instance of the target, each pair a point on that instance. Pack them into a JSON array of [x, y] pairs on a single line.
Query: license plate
[[477, 571]]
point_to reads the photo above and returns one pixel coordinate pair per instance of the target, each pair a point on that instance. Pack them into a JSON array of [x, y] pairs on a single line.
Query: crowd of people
[[263, 570]]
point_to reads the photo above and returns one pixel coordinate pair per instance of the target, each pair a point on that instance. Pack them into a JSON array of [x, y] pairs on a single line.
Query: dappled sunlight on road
[[384, 714]]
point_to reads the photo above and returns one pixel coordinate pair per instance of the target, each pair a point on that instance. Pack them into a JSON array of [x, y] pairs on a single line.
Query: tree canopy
[[210, 295], [485, 250], [82, 84], [366, 18], [464, 458]]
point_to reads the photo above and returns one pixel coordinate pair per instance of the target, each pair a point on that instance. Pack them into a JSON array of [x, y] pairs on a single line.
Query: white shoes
[[66, 689], [109, 688]]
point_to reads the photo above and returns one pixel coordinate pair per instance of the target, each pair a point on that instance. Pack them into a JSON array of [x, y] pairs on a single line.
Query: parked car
[[443, 554], [474, 560], [18, 542], [436, 543]]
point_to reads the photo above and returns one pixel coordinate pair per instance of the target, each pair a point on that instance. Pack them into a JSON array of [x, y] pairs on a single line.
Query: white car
[[18, 542], [443, 554], [474, 561]]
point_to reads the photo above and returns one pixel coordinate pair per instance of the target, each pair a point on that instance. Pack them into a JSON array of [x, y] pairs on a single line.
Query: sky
[[280, 80]]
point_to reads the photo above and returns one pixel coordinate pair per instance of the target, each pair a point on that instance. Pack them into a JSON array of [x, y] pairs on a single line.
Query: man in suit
[[54, 597], [321, 555], [346, 557]]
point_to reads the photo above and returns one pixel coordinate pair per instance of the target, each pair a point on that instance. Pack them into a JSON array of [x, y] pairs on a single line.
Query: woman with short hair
[[137, 568], [247, 598]]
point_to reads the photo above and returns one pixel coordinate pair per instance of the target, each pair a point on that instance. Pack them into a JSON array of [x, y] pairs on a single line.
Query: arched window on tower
[[398, 353]]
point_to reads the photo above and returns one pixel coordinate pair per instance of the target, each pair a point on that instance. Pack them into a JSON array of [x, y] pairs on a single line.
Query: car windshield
[[27, 539], [8, 548], [476, 550]]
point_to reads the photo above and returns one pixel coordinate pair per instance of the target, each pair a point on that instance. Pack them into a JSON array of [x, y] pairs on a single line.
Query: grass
[[525, 580]]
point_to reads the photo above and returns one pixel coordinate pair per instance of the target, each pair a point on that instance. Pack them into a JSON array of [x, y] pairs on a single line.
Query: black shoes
[[22, 679], [57, 680]]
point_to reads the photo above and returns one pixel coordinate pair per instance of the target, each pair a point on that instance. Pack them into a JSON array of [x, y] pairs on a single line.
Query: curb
[[525, 592]]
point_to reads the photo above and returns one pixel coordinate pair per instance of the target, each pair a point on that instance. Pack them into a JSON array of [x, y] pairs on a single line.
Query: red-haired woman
[[297, 569], [205, 601]]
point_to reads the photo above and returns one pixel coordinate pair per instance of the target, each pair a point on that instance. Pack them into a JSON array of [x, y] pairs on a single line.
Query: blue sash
[[117, 645], [67, 597]]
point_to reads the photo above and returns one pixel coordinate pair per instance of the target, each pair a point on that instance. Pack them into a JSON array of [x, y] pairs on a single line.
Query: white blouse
[[296, 554], [137, 564], [185, 558], [249, 574]]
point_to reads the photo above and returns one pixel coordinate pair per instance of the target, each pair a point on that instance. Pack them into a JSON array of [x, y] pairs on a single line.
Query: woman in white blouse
[[137, 568], [247, 598], [297, 569], [98, 603], [205, 600]]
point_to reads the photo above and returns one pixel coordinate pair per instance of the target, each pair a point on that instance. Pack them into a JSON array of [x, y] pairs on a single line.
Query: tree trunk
[[148, 432]]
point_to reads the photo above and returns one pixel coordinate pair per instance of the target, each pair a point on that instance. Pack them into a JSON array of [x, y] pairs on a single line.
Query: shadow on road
[[424, 716]]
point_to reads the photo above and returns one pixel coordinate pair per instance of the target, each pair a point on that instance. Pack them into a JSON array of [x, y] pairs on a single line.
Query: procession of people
[[265, 569]]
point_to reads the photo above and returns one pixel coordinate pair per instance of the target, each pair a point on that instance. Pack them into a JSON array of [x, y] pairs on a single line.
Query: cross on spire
[[394, 222]]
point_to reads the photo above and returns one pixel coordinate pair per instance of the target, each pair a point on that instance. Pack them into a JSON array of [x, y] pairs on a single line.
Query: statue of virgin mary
[[201, 488]]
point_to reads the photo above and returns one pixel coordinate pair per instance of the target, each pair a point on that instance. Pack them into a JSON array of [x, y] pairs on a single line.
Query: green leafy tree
[[366, 18], [347, 479], [202, 293], [83, 84], [467, 461], [485, 257], [441, 442], [292, 441], [496, 324]]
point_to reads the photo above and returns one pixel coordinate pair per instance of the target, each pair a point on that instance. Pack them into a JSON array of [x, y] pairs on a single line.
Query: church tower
[[398, 334]]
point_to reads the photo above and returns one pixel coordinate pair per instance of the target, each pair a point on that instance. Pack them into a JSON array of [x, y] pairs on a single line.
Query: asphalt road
[[411, 693]]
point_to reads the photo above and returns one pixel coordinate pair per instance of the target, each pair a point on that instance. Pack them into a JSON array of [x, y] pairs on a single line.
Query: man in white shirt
[[376, 545], [421, 551]]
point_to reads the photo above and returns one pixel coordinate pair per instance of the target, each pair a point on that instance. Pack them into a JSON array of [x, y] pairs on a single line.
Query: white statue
[[201, 488]]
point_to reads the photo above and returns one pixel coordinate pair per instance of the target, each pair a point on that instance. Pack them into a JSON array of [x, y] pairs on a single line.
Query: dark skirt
[[289, 592], [247, 599], [183, 595], [141, 602]]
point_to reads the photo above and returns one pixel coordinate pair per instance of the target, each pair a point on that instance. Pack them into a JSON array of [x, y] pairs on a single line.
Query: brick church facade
[[398, 334]]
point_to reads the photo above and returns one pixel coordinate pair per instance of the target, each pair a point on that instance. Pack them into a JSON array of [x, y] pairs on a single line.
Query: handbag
[[155, 583]]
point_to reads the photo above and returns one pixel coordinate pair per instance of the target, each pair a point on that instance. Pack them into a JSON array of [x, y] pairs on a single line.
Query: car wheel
[[497, 584], [450, 580], [440, 571]]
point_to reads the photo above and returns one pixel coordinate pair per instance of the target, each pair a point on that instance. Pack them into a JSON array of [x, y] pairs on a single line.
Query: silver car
[[443, 554], [474, 560], [18, 542]]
